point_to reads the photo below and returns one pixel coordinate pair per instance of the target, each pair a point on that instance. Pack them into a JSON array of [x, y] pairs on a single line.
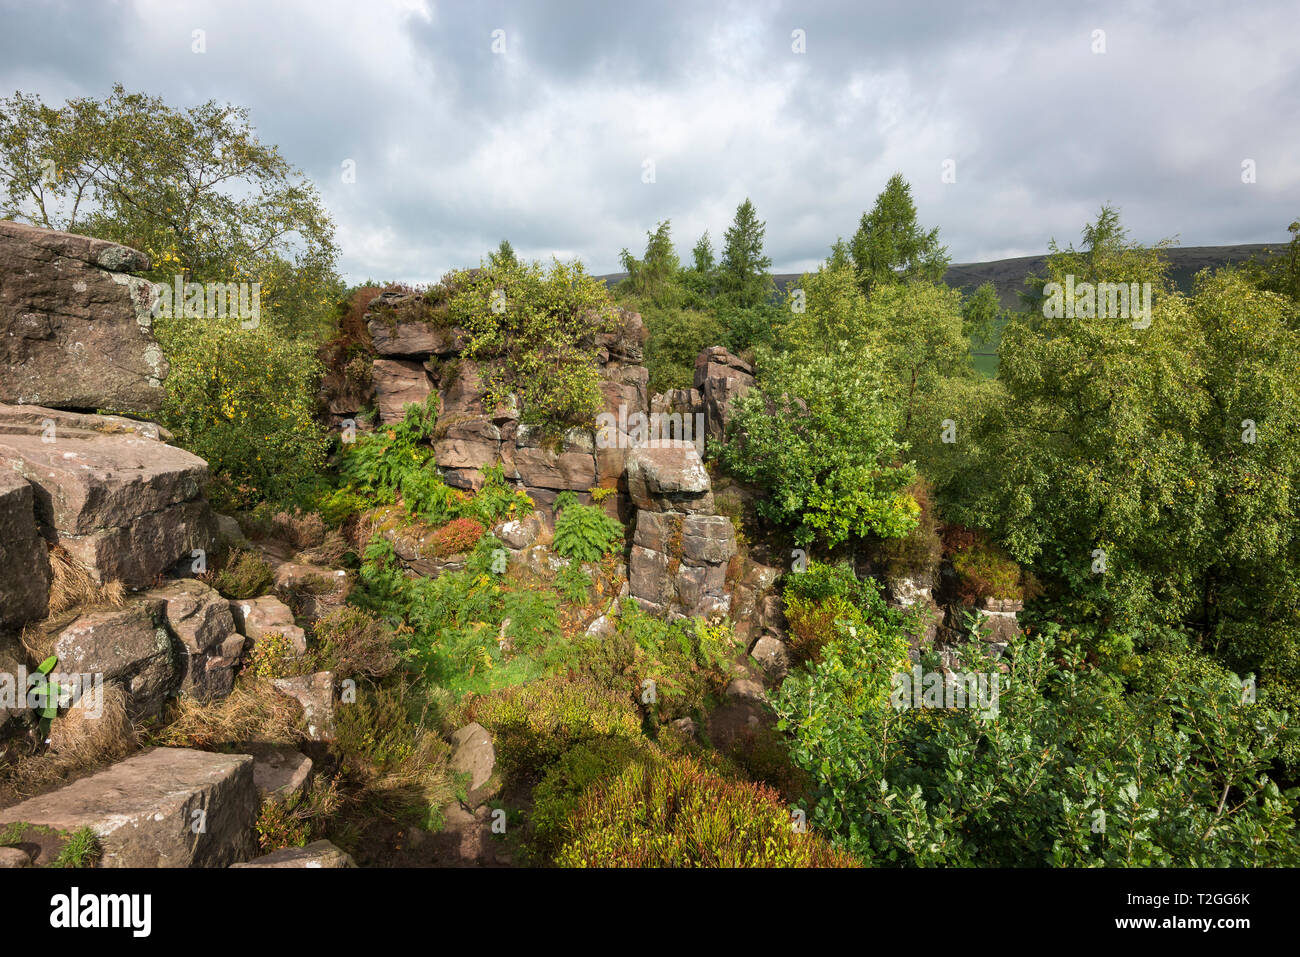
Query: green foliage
[[890, 246], [1173, 449], [655, 276], [244, 400], [573, 584], [686, 660], [194, 189], [562, 787], [676, 337], [81, 849], [542, 325], [743, 277], [584, 533], [1029, 784], [824, 447], [243, 574], [674, 813], [533, 725]]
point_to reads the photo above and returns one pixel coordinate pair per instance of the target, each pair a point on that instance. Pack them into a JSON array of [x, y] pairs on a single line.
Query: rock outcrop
[[168, 807], [122, 502], [75, 326], [720, 379], [417, 354]]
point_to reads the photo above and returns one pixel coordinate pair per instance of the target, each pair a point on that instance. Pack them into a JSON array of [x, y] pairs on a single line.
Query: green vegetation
[[585, 533]]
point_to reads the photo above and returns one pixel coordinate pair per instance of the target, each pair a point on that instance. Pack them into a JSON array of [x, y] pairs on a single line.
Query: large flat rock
[[317, 854], [124, 504], [169, 807], [75, 328]]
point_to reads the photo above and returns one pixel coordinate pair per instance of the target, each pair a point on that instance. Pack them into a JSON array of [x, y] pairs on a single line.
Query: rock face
[[315, 693], [24, 558], [127, 646], [720, 378], [168, 807], [123, 503], [317, 854], [476, 757], [75, 327], [417, 354], [258, 617], [668, 477], [679, 563], [398, 383], [200, 621]]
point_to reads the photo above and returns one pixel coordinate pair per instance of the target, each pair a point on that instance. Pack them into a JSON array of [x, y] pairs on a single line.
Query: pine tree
[[890, 246], [503, 255], [743, 276]]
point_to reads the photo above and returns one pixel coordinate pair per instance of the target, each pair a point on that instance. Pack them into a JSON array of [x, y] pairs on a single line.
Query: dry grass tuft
[[73, 585], [79, 744], [253, 711]]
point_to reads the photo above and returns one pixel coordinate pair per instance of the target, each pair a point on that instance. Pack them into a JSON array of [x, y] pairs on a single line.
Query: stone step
[[168, 807]]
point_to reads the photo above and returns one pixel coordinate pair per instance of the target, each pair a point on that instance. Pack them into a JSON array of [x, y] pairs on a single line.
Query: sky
[[573, 128]]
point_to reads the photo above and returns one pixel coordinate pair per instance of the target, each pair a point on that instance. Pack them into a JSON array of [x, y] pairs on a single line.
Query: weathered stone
[[258, 617], [542, 468], [467, 442], [13, 664], [397, 384], [721, 378], [144, 809], [229, 534], [624, 340], [14, 857], [708, 539], [659, 531], [318, 854], [75, 330], [648, 579], [316, 695], [124, 505], [24, 557], [474, 755], [201, 621], [414, 338], [279, 771], [668, 477], [746, 688], [519, 532], [124, 645], [772, 654], [461, 390]]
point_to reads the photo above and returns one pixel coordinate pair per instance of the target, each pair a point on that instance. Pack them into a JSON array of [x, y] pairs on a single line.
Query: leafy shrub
[[685, 659], [564, 783], [457, 536], [562, 501], [819, 437], [542, 324], [674, 813], [272, 657], [243, 574], [244, 400], [585, 533], [1023, 787], [573, 584], [983, 570]]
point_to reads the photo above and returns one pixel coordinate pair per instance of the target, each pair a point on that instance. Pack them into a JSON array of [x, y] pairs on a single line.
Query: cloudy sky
[[545, 132]]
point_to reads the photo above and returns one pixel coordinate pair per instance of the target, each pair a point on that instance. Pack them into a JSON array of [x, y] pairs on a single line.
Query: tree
[[195, 189], [655, 276], [1147, 465], [819, 435], [702, 255], [743, 277], [890, 246], [503, 255]]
